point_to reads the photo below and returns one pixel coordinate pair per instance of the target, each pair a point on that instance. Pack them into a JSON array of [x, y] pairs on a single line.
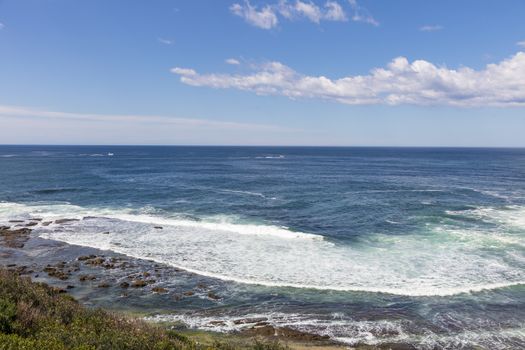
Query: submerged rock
[[63, 221], [139, 284], [83, 278], [159, 290]]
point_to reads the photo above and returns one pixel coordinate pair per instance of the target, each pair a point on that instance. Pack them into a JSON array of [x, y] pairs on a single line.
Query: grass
[[37, 316]]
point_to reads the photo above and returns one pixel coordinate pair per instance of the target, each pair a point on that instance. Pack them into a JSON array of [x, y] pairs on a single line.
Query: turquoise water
[[366, 245]]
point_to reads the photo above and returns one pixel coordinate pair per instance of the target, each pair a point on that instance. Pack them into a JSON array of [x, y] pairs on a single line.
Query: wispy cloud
[[521, 43], [402, 82], [264, 18], [267, 16], [430, 28], [28, 112], [165, 41], [361, 14], [2, 26], [232, 61]]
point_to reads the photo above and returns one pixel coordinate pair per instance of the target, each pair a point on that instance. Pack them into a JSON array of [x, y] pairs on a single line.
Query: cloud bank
[[267, 16], [402, 82]]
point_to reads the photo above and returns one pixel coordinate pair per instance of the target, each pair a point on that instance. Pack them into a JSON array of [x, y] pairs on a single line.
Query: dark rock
[[29, 224], [83, 278], [36, 219], [189, 293], [250, 320], [63, 221], [139, 284], [103, 285], [159, 290], [124, 285], [285, 332], [16, 221], [158, 227], [56, 272], [15, 238], [96, 261], [69, 286], [146, 274], [46, 223], [213, 296], [86, 257]]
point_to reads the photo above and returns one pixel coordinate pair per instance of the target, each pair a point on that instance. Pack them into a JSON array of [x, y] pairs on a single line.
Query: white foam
[[355, 332], [442, 261]]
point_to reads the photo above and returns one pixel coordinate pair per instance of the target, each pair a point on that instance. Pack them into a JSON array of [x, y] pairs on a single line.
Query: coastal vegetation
[[37, 316]]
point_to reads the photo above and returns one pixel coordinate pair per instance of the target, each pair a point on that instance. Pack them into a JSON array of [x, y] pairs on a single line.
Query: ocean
[[424, 246]]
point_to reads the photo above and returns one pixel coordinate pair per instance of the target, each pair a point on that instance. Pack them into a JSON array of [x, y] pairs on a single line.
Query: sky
[[263, 72]]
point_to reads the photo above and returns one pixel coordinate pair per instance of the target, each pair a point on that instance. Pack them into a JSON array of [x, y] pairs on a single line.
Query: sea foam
[[437, 262]]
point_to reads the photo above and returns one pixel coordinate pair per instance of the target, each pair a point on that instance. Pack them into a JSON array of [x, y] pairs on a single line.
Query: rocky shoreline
[[110, 280]]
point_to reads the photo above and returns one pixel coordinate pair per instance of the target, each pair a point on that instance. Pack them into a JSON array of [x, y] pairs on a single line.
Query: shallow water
[[367, 245]]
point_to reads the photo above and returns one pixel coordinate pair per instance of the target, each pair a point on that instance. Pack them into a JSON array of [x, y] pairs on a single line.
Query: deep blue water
[[364, 244]]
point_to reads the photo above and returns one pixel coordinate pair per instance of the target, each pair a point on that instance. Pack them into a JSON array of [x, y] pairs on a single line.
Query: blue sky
[[263, 72]]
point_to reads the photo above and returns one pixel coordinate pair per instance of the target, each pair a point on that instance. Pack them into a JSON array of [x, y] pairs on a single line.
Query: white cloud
[[521, 43], [2, 26], [430, 28], [334, 11], [267, 16], [360, 14], [264, 18], [165, 41], [232, 61], [401, 82]]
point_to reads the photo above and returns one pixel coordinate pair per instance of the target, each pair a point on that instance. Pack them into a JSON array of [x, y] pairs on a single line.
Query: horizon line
[[254, 146]]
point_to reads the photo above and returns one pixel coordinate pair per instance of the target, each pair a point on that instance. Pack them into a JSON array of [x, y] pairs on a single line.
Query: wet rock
[[189, 293], [16, 221], [250, 320], [96, 261], [146, 274], [159, 290], [105, 233], [201, 286], [103, 285], [29, 224], [47, 223], [86, 257], [217, 323], [396, 346], [15, 238], [56, 272], [213, 296], [69, 286], [285, 332], [64, 221], [36, 219], [83, 278], [58, 290], [139, 284], [124, 285], [158, 227]]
